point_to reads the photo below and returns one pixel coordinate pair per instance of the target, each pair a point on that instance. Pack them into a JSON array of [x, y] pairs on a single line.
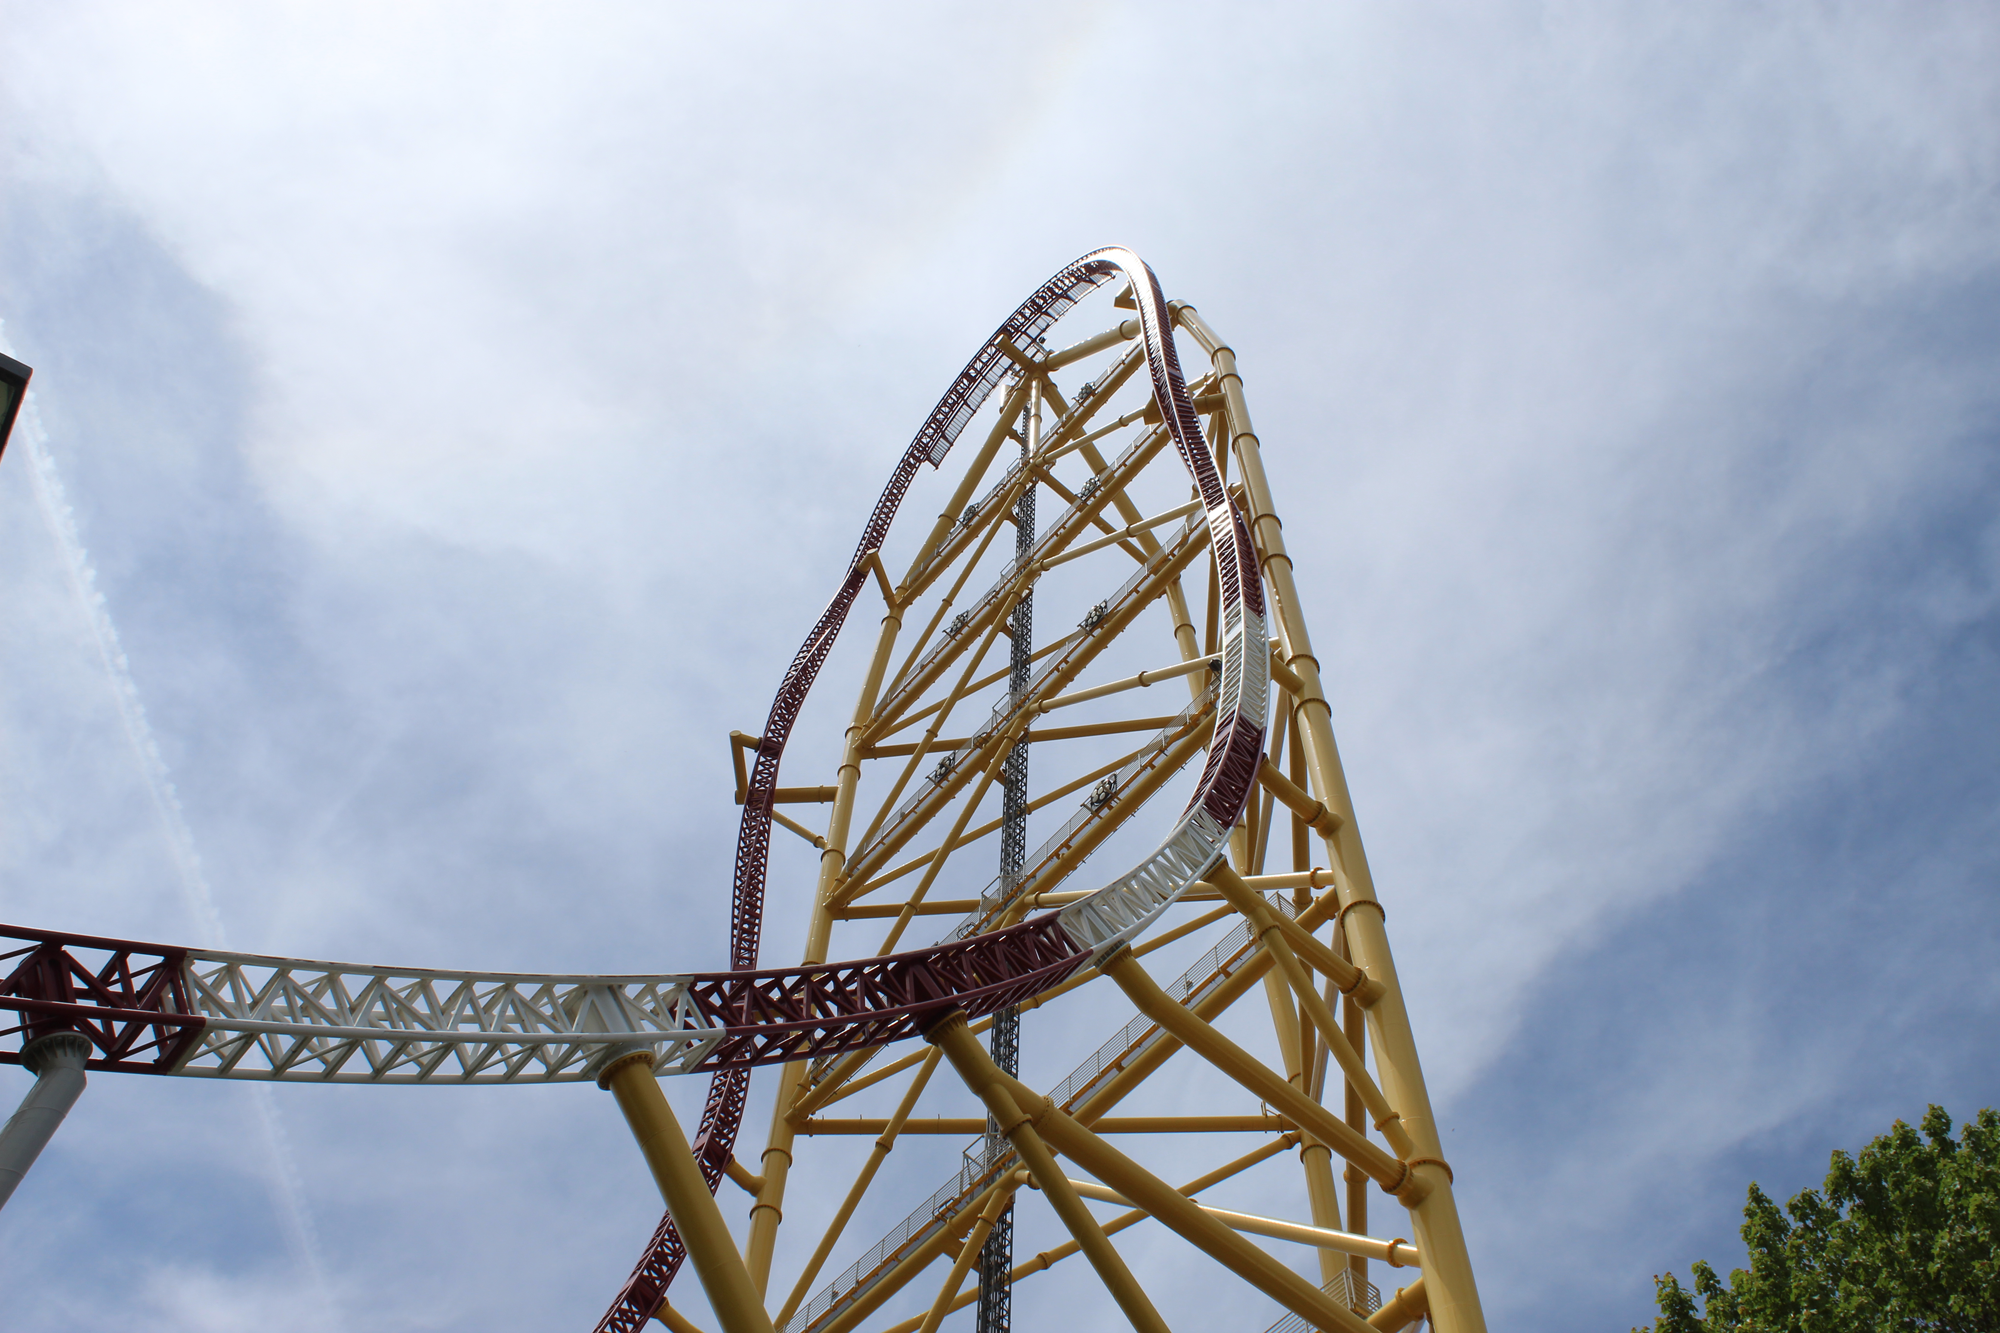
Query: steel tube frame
[[1453, 1291], [56, 1060], [1397, 1253], [884, 1145], [990, 1084], [1405, 1308], [330, 1022], [1204, 1040], [997, 1201], [630, 1079], [1047, 1259], [1048, 1127]]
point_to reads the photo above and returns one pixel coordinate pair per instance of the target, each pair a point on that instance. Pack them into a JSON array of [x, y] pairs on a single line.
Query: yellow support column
[[1404, 1308], [1448, 1281], [996, 1204], [675, 1320], [987, 1080], [1315, 1158], [1204, 1040], [1046, 1126], [696, 1216], [768, 1211]]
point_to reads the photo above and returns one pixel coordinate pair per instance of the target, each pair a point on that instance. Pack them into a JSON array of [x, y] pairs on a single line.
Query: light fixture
[[13, 387]]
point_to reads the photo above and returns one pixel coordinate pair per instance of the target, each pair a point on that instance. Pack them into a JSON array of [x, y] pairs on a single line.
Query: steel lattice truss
[[205, 1014], [1118, 492]]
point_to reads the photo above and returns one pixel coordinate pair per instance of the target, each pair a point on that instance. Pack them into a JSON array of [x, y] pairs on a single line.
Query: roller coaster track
[[986, 972], [1026, 940], [202, 1013]]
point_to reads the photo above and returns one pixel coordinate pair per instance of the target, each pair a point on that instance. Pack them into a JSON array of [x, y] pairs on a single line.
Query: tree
[[1904, 1239]]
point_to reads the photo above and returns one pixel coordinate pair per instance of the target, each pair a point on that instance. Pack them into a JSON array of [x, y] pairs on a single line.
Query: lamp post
[[13, 387]]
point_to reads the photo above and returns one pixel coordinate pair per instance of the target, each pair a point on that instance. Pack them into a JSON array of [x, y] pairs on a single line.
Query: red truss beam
[[131, 1000], [789, 999], [801, 1013]]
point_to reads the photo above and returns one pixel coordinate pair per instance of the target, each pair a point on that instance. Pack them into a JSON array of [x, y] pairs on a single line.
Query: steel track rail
[[1122, 908], [169, 1010]]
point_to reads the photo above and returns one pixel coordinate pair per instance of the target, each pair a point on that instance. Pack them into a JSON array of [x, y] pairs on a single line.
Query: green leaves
[[1904, 1238]]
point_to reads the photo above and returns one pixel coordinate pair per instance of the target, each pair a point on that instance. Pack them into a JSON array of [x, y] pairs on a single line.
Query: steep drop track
[[802, 1012]]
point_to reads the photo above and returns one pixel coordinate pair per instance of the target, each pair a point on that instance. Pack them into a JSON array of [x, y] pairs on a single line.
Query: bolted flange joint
[[617, 1062], [56, 1050]]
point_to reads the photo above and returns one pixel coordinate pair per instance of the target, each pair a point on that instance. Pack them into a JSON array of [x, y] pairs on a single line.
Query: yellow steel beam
[[1271, 937], [742, 1175], [675, 1320], [799, 795], [906, 1270], [1124, 534], [1406, 1307], [1045, 799], [876, 851], [1293, 1034], [696, 1216], [1267, 809], [884, 1145], [783, 820], [1353, 1024], [1140, 598], [776, 1162], [1096, 519], [909, 683], [987, 527], [1214, 1001], [1115, 727], [1047, 1259], [841, 1081], [904, 721], [1138, 682], [1265, 1123], [1131, 797], [1453, 1290], [1315, 814], [1041, 1123], [996, 1204], [1098, 342], [928, 907], [917, 578], [999, 751], [1397, 1253], [1198, 1036], [987, 1080]]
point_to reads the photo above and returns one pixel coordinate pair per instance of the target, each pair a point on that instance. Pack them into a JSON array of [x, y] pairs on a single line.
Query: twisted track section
[[815, 1011], [164, 1009]]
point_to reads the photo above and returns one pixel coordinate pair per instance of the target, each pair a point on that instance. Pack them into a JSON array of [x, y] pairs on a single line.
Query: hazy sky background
[[462, 412]]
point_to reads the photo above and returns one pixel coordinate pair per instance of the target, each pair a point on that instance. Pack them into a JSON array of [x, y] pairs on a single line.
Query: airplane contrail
[[286, 1186]]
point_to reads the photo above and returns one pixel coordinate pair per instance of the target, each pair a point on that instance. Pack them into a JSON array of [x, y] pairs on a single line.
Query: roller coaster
[[1139, 467]]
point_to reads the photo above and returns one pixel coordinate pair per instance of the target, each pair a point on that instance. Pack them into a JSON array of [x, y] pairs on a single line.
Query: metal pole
[[984, 1077], [1452, 1291], [717, 1262], [57, 1063], [975, 1245], [996, 1260]]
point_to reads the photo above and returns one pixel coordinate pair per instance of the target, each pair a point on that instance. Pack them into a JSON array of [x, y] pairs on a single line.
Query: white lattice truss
[[288, 1018], [314, 1022]]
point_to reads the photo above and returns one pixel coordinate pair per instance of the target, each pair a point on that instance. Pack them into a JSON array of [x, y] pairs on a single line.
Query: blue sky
[[459, 411]]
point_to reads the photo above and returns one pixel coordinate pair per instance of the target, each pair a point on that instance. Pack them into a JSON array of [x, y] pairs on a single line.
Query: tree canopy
[[1904, 1237]]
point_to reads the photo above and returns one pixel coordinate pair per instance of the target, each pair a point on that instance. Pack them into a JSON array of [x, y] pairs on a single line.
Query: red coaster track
[[801, 1012]]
